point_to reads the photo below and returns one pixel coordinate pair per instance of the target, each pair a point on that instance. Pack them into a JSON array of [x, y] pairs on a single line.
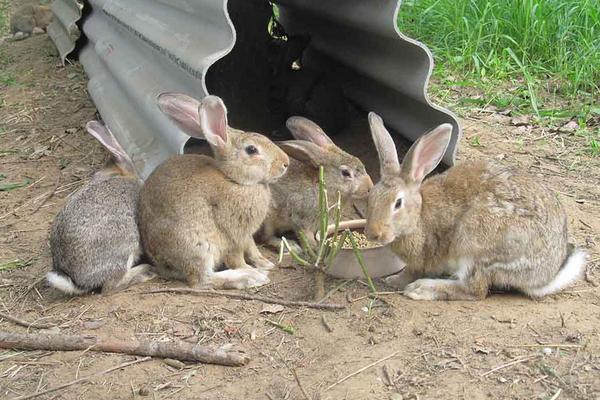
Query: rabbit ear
[[305, 129], [108, 140], [426, 153], [304, 151], [213, 120], [388, 156], [183, 110]]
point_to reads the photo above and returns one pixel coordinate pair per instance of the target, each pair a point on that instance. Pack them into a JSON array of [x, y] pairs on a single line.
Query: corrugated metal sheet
[[63, 30], [137, 49], [383, 70]]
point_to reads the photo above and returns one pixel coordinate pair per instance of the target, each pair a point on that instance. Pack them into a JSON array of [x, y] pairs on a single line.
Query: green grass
[[3, 17], [538, 38], [541, 49], [539, 57]]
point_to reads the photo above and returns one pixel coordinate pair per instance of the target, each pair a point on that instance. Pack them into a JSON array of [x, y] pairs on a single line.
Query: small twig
[[49, 195], [69, 144], [335, 289], [293, 371], [556, 394], [375, 295], [30, 288], [362, 369], [24, 323], [306, 396], [326, 323], [389, 375], [80, 380], [28, 202], [499, 367], [546, 345], [244, 296]]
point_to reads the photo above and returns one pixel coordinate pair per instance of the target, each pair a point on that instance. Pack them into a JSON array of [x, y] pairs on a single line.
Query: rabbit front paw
[[399, 280], [238, 279], [262, 263], [422, 289], [252, 278]]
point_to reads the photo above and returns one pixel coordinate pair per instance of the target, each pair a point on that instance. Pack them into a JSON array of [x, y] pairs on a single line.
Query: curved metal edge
[[450, 155], [128, 69], [63, 30], [380, 68]]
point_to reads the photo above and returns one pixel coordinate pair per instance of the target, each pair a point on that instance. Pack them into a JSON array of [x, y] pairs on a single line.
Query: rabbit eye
[[251, 150], [346, 173], [398, 204]]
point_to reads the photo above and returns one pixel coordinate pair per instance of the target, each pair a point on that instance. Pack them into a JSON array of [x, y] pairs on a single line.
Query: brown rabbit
[[478, 225], [196, 212], [296, 194]]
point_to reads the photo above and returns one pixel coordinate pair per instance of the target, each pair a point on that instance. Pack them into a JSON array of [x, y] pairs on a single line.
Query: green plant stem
[[336, 249], [286, 328], [306, 245], [323, 217], [294, 255], [361, 262]]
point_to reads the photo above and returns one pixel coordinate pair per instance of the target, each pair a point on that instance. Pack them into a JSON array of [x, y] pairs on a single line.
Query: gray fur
[[94, 238], [95, 235], [30, 16], [295, 195]]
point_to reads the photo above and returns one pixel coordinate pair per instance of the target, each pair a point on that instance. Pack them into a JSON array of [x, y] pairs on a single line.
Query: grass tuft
[[3, 17], [534, 39]]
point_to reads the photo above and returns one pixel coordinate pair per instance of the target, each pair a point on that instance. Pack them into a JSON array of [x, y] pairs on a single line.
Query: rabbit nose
[[373, 232], [286, 164]]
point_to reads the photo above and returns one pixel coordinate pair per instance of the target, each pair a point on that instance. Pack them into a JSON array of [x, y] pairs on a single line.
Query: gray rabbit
[[94, 239], [29, 19]]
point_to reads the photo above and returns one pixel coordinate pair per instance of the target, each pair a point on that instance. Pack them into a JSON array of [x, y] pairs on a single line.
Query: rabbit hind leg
[[471, 284], [132, 275]]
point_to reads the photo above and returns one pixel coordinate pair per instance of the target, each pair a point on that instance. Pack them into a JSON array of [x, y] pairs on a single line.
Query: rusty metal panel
[[63, 30], [137, 49]]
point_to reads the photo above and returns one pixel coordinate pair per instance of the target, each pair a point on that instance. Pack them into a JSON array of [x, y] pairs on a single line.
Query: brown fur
[[295, 196], [196, 212], [481, 224]]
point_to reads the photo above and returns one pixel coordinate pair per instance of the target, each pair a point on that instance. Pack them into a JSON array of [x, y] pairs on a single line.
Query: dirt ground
[[507, 346]]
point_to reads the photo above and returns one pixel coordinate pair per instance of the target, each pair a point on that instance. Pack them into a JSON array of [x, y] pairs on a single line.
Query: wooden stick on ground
[[80, 380], [24, 323], [366, 367], [565, 345], [509, 364], [244, 296], [178, 350]]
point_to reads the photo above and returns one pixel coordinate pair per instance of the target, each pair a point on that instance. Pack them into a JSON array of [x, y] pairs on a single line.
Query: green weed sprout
[[321, 258]]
